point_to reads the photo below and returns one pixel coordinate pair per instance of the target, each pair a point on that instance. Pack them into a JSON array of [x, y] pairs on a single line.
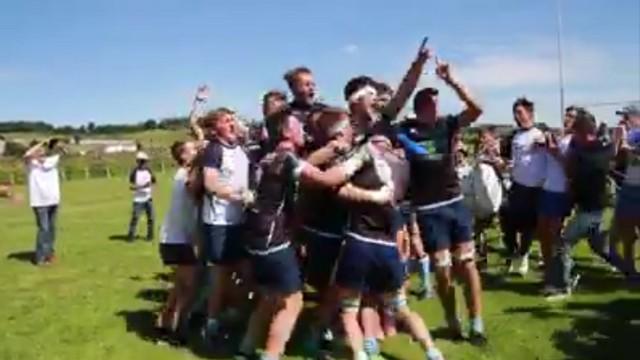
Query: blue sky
[[74, 61]]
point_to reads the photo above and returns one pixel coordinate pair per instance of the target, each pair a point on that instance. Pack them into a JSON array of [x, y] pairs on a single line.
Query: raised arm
[[473, 109], [408, 83], [336, 175], [31, 152], [199, 101]]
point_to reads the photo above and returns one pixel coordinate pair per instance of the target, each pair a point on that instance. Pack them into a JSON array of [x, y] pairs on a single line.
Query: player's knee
[[464, 255], [396, 304], [442, 260], [350, 305]]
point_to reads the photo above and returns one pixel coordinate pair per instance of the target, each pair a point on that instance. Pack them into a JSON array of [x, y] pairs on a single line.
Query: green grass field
[[98, 301]]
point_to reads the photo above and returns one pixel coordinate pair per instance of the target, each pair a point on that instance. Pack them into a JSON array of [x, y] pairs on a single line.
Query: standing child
[[141, 181]]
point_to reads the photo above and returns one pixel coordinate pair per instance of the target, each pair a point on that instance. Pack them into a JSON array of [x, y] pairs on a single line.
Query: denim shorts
[[369, 265], [554, 204], [277, 271], [223, 244], [628, 202], [445, 226]]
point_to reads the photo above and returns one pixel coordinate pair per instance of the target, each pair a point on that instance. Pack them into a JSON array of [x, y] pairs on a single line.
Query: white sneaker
[[513, 264], [523, 269], [559, 296]]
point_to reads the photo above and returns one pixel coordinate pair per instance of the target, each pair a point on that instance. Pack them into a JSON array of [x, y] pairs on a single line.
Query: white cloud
[[351, 49], [533, 65]]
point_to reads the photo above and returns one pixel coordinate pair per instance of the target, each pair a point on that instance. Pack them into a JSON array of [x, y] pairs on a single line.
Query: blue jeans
[[45, 240], [138, 208], [583, 224]]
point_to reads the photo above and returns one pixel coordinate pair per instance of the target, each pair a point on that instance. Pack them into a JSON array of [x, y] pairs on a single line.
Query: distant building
[[110, 146]]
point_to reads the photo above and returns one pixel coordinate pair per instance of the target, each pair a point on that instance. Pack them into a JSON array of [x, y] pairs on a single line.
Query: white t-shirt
[[555, 178], [141, 177], [232, 164], [529, 161], [44, 181], [180, 222]]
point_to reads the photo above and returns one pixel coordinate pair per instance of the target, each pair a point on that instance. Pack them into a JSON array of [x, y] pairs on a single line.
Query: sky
[[117, 61]]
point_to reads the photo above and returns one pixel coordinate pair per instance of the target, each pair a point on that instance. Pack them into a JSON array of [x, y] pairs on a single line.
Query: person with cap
[[627, 208], [444, 221], [141, 181]]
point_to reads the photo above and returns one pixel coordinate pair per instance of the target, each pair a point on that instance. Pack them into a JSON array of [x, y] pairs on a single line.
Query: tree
[[91, 127], [150, 124]]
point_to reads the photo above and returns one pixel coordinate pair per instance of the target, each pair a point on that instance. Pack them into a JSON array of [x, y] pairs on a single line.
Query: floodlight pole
[[560, 57]]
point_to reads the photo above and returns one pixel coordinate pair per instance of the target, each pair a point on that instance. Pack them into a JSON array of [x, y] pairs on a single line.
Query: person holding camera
[[43, 181]]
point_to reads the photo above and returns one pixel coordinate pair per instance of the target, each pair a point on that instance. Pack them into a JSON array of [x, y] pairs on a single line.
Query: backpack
[[483, 191]]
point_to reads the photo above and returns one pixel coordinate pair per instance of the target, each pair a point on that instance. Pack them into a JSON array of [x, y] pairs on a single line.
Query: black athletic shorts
[[177, 254]]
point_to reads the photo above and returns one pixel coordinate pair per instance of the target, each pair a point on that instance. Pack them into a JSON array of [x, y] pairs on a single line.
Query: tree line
[[23, 126]]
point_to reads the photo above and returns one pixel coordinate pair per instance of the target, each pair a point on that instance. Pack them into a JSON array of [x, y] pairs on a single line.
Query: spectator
[[627, 210], [588, 163], [527, 176], [141, 181], [42, 161]]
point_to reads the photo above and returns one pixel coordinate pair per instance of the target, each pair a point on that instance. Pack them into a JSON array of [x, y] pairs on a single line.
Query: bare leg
[[282, 324], [185, 289], [445, 288], [350, 305], [257, 328]]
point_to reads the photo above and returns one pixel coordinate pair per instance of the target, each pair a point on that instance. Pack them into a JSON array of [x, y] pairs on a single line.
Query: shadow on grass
[[155, 295], [124, 238], [598, 331], [24, 256], [142, 323]]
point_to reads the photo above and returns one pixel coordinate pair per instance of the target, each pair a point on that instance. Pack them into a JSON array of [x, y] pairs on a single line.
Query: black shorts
[[323, 251], [177, 254]]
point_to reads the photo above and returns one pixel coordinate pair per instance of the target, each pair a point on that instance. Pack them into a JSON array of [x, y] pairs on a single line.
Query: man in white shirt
[[527, 175], [225, 169], [41, 161], [141, 180]]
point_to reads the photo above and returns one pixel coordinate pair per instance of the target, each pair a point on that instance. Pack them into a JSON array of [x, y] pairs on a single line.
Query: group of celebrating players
[[333, 198]]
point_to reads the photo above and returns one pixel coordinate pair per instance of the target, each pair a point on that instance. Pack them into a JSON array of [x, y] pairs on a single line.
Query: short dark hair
[[383, 88], [525, 103], [277, 94], [323, 123], [275, 125], [585, 120], [176, 151], [422, 95], [290, 76], [571, 108], [357, 83]]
